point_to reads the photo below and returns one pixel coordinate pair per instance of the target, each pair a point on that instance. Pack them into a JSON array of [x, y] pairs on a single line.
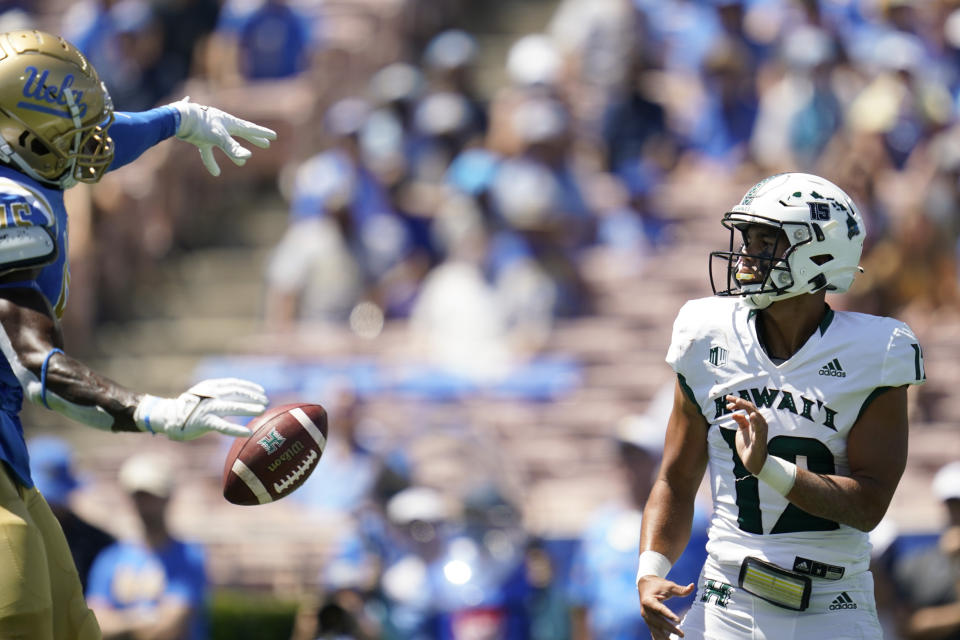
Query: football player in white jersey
[[799, 413], [57, 128]]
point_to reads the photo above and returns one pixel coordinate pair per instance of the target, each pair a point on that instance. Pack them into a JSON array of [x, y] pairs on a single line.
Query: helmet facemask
[[775, 279], [91, 152]]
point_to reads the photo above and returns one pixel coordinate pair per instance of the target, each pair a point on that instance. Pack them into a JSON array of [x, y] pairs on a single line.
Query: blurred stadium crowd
[[504, 223]]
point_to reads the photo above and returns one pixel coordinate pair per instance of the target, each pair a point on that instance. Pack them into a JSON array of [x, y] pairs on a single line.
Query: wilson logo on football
[[833, 369]]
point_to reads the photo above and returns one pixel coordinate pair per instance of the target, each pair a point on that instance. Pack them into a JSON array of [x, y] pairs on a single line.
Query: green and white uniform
[[810, 402]]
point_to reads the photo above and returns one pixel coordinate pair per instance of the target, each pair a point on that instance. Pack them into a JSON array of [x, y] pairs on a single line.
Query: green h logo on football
[[272, 442]]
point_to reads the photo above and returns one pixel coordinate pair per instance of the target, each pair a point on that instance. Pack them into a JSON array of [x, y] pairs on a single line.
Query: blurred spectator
[[602, 588], [927, 581], [337, 620], [443, 123], [125, 38], [347, 606], [52, 470], [684, 30], [274, 42], [86, 22], [262, 40], [546, 605], [538, 197], [422, 20], [386, 136], [17, 14], [187, 25], [486, 592], [487, 306], [154, 587], [314, 273], [460, 579], [423, 518], [634, 123], [629, 226], [595, 38], [346, 242], [903, 103], [733, 16], [724, 120], [346, 464], [534, 69], [350, 599], [913, 270], [799, 112], [449, 63], [533, 61]]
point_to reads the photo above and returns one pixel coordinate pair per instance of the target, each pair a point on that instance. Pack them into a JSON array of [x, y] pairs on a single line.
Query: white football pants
[[839, 610]]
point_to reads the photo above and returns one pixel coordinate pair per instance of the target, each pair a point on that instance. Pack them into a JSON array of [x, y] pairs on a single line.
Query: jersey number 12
[[793, 518]]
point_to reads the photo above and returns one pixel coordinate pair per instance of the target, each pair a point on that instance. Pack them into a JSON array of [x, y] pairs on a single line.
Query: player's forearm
[[667, 521], [77, 384], [858, 502], [134, 133], [30, 341]]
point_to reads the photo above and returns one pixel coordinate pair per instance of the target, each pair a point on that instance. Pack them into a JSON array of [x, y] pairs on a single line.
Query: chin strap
[[8, 155], [763, 300], [69, 177]]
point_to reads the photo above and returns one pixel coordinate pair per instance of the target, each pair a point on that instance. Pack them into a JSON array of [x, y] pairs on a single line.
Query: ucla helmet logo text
[[36, 88]]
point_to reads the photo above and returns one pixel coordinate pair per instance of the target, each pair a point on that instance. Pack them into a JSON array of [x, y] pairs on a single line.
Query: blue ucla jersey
[[24, 202], [810, 402]]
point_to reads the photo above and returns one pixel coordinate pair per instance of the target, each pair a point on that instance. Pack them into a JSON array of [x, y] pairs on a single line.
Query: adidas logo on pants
[[843, 601]]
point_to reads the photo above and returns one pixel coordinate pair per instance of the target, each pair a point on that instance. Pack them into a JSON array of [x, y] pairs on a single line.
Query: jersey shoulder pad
[[903, 361], [696, 321], [887, 351], [27, 228]]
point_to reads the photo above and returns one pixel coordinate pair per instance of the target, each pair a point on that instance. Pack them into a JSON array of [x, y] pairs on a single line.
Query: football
[[283, 449]]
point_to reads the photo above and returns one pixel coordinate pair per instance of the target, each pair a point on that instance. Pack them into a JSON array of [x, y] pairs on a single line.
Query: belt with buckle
[[776, 585]]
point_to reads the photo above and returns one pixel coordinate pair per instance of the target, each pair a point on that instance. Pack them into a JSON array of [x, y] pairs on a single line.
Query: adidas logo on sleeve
[[842, 601], [833, 369]]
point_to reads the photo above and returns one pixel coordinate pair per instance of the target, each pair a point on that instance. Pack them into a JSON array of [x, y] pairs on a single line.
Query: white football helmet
[[54, 110], [822, 225]]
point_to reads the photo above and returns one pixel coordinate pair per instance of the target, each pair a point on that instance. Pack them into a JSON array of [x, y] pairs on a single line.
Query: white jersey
[[810, 402]]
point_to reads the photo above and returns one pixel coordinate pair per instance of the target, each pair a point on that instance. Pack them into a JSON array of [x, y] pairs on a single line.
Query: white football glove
[[201, 408], [209, 127]]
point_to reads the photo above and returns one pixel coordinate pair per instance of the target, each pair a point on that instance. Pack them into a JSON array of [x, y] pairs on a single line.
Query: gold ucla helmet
[[54, 110]]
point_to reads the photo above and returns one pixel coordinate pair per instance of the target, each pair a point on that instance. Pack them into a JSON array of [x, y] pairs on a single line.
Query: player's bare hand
[[659, 618], [751, 439]]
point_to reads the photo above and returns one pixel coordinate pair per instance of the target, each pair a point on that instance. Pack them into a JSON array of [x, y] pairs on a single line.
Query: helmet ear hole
[[38, 147], [32, 143], [821, 259]]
